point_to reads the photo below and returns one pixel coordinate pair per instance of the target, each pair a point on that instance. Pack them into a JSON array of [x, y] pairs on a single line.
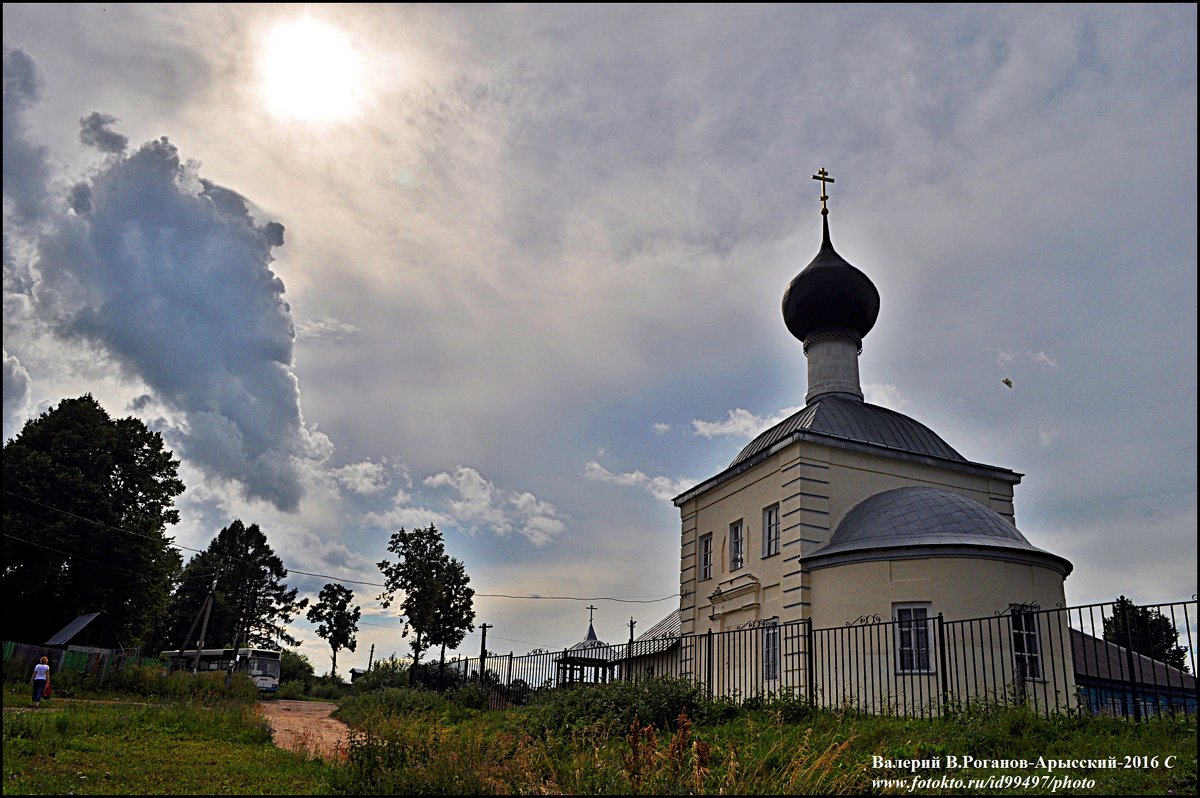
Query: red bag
[[46, 692]]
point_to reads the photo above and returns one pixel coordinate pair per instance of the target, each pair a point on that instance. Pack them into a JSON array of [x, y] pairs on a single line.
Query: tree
[[1146, 631], [338, 623], [86, 504], [437, 596], [251, 601], [295, 667]]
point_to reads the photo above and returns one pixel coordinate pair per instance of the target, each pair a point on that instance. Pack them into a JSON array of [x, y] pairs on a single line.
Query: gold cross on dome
[[824, 177]]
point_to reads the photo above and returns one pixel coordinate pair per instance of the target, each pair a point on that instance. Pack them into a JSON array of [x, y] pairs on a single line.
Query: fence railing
[[1115, 659], [21, 657]]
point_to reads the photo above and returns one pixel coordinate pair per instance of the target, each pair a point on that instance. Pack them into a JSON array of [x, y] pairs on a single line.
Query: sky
[[516, 270]]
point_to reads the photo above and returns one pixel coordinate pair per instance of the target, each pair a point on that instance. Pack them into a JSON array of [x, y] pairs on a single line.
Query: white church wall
[[814, 486]]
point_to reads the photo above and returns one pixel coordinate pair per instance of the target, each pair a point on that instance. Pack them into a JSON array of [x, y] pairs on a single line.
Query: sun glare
[[310, 72]]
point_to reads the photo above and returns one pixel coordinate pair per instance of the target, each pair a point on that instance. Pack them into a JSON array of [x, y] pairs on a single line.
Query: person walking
[[40, 680]]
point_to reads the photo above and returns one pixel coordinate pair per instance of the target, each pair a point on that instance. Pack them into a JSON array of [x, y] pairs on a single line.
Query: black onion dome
[[830, 293]]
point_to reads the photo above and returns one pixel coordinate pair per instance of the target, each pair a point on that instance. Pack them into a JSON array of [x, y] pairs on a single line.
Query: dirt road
[[306, 726]]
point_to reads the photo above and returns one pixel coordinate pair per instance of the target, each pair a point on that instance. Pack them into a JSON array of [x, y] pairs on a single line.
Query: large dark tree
[[87, 500], [1146, 631], [251, 601], [437, 596], [337, 621]]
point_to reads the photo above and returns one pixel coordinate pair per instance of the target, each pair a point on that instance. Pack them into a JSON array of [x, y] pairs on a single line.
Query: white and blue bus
[[261, 665]]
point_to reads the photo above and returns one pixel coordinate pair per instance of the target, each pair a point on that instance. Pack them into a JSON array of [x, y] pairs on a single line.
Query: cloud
[[1006, 357], [884, 394], [362, 478], [94, 132], [324, 330], [171, 275], [26, 170], [660, 428], [482, 504], [662, 488], [740, 423], [17, 393], [1042, 359]]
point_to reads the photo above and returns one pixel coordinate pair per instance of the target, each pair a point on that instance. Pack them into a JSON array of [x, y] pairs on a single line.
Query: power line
[[95, 564], [623, 600], [76, 556]]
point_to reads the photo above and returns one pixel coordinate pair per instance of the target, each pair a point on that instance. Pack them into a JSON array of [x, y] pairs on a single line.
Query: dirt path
[[306, 726]]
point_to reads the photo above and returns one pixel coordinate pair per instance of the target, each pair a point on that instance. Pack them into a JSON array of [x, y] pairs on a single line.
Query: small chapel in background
[[848, 510]]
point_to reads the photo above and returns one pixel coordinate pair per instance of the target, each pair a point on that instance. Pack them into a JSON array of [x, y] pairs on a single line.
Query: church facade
[[848, 512]]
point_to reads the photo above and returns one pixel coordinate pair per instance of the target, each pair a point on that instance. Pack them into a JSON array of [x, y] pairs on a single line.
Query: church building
[[847, 510]]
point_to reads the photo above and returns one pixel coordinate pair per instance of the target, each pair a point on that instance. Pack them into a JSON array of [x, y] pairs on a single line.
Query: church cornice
[[865, 447]]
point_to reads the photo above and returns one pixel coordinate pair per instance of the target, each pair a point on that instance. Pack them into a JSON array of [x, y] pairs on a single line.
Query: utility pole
[[208, 602], [483, 627], [371, 658], [629, 651]]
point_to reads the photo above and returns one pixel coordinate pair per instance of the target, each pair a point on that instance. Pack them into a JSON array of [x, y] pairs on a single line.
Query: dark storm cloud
[[171, 274], [94, 132], [25, 168]]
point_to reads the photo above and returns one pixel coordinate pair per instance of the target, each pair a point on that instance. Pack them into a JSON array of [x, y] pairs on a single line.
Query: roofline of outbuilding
[[851, 444]]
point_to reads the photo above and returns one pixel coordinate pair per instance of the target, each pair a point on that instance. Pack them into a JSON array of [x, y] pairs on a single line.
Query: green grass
[[660, 738], [586, 742], [107, 749]]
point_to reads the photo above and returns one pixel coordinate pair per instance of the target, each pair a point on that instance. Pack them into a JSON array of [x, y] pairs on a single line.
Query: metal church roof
[[659, 637], [590, 647], [930, 521], [850, 419]]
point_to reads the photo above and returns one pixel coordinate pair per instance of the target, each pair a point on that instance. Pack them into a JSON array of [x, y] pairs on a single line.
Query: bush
[[390, 702], [384, 674], [153, 682], [329, 688], [470, 696], [655, 702], [436, 676], [294, 666], [291, 690]]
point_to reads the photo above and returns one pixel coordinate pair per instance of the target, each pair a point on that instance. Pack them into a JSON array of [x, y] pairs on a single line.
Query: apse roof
[[924, 517], [851, 419]]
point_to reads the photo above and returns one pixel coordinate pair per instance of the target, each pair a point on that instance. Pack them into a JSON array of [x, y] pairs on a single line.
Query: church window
[[912, 638], [771, 531], [706, 557], [736, 545], [1027, 652], [770, 653]]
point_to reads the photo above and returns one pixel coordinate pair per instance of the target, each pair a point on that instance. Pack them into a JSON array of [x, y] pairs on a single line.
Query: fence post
[[810, 662], [708, 645], [508, 681], [941, 635]]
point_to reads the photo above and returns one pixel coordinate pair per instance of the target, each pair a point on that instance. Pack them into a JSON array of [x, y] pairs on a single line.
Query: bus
[[261, 665]]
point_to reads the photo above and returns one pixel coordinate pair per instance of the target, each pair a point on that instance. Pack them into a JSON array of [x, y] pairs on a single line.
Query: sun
[[310, 72]]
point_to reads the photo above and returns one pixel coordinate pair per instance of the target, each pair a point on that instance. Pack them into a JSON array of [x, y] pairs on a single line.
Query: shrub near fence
[[1051, 660]]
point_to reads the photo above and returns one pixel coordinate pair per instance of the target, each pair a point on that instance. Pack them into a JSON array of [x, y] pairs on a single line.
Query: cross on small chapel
[[824, 177], [591, 610]]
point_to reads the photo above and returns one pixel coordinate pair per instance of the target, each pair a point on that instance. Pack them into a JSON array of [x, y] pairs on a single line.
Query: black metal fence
[[1113, 659]]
